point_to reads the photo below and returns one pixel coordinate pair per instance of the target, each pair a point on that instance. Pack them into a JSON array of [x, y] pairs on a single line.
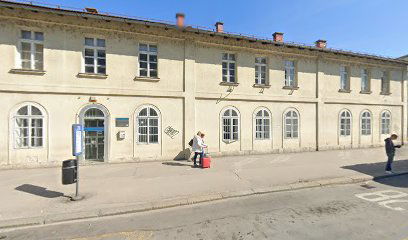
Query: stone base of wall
[[57, 164]]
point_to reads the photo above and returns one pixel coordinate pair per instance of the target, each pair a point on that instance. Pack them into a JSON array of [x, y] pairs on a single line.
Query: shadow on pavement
[[377, 170], [39, 191], [177, 164]]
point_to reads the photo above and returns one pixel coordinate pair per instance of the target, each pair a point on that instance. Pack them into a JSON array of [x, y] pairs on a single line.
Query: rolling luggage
[[206, 160]]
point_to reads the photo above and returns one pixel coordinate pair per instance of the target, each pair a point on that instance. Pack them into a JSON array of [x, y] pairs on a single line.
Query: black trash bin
[[69, 172]]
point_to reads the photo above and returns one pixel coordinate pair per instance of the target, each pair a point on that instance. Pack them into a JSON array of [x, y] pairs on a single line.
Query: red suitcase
[[206, 159], [206, 162]]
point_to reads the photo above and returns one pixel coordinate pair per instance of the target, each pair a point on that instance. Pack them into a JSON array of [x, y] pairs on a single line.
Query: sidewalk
[[35, 196]]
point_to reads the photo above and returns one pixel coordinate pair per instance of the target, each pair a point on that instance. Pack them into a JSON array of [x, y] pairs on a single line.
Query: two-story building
[[142, 89]]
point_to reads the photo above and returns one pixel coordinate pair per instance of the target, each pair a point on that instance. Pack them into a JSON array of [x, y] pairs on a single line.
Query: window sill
[[27, 71], [365, 92], [291, 87], [261, 86], [385, 93], [92, 75], [229, 141], [344, 90], [229, 84], [146, 79]]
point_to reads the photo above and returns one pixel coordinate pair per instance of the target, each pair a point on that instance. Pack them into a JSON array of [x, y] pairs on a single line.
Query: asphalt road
[[378, 210]]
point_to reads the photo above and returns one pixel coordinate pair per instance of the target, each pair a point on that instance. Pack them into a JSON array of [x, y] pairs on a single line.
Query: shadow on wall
[[377, 170], [39, 191], [183, 155]]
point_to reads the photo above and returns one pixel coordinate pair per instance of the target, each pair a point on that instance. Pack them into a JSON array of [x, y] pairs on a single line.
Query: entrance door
[[94, 127]]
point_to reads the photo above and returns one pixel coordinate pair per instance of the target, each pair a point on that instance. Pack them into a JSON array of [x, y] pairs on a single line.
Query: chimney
[[91, 10], [219, 27], [278, 37], [321, 43], [180, 19]]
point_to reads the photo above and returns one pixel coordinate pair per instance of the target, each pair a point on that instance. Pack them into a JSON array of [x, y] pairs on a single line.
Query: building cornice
[[200, 32]]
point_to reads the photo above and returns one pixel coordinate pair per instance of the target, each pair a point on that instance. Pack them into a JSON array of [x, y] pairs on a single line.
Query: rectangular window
[[228, 68], [365, 81], [344, 78], [260, 70], [32, 50], [95, 56], [385, 82], [290, 80], [148, 60]]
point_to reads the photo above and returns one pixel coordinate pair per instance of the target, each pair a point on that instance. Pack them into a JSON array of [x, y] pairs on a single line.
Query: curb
[[184, 201]]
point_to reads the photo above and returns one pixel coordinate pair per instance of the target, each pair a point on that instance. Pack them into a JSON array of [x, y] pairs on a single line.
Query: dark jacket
[[390, 147]]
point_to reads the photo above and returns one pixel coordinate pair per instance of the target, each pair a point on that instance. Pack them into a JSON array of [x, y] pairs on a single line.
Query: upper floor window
[[385, 82], [262, 125], [291, 124], [28, 127], [148, 125], [148, 60], [366, 123], [290, 76], [365, 81], [385, 122], [344, 78], [95, 55], [32, 50], [230, 125], [228, 68], [260, 71], [345, 123]]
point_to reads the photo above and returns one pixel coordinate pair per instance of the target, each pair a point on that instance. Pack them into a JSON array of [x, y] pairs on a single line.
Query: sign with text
[[77, 130], [122, 122]]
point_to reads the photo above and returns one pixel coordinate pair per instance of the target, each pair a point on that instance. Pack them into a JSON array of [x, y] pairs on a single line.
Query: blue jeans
[[201, 157], [389, 162]]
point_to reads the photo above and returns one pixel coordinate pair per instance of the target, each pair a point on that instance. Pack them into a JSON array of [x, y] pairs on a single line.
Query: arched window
[[28, 127], [385, 122], [291, 124], [230, 125], [262, 124], [148, 125], [345, 123], [366, 123]]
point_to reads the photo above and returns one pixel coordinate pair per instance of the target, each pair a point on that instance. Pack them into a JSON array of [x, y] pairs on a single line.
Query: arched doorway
[[95, 121]]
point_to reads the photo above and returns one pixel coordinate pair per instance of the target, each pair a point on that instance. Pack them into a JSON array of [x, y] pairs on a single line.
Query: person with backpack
[[390, 150], [198, 148]]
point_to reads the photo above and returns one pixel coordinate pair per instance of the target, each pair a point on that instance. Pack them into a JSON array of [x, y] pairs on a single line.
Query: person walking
[[198, 148], [390, 150]]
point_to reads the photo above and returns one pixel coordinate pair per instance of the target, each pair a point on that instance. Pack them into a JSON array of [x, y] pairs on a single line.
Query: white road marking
[[385, 198], [386, 204], [381, 195]]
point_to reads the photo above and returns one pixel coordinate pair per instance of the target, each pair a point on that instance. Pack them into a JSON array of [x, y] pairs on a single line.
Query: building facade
[[142, 89]]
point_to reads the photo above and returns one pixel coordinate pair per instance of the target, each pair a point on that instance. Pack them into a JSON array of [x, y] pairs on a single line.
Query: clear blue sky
[[373, 26]]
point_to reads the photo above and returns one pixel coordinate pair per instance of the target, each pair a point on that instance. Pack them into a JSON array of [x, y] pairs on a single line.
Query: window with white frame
[[365, 80], [345, 123], [385, 122], [385, 82], [290, 76], [95, 55], [148, 60], [262, 125], [32, 50], [260, 71], [228, 68], [344, 78], [291, 124], [366, 123], [148, 125], [230, 125], [28, 127]]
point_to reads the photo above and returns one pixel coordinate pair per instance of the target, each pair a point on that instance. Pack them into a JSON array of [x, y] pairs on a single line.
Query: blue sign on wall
[[77, 142]]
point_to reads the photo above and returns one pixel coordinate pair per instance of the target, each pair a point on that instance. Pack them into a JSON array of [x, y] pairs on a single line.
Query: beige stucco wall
[[188, 94]]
